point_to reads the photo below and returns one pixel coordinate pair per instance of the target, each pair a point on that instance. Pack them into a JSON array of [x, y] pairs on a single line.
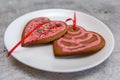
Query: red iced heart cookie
[[78, 41], [45, 33]]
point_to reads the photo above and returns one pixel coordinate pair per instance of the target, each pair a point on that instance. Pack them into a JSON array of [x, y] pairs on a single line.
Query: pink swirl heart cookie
[[45, 33], [78, 41]]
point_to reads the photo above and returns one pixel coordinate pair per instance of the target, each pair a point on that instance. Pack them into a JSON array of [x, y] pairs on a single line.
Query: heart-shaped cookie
[[78, 41], [45, 33]]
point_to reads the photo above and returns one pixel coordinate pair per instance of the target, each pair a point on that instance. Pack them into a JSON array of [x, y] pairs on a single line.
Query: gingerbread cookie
[[45, 33], [78, 41]]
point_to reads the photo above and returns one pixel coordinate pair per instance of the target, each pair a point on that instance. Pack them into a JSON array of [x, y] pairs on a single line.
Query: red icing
[[22, 40], [44, 31], [78, 42]]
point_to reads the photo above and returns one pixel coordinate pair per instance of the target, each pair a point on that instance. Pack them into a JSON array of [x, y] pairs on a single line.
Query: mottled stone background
[[107, 11]]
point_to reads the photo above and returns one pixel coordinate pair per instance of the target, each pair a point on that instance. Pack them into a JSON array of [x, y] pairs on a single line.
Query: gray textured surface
[[107, 11]]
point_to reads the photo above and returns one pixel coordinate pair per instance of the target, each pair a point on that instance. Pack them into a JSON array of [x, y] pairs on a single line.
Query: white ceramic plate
[[41, 57]]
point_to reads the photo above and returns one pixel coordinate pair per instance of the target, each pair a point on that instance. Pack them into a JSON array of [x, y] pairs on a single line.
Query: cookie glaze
[[44, 31], [78, 42]]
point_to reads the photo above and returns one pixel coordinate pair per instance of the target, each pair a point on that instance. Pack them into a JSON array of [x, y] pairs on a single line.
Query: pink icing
[[78, 42], [45, 31]]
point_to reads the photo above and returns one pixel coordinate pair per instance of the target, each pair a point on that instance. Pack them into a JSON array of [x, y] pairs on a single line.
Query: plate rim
[[68, 70]]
